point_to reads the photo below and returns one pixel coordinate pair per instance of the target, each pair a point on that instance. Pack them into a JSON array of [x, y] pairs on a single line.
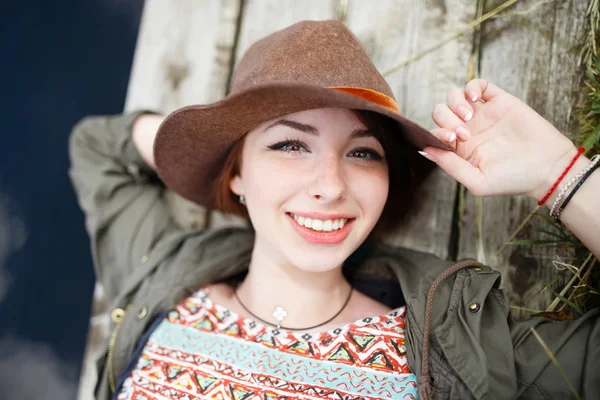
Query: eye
[[366, 154], [289, 146]]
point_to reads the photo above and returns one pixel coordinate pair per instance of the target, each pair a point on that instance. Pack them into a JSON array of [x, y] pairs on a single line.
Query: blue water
[[59, 60]]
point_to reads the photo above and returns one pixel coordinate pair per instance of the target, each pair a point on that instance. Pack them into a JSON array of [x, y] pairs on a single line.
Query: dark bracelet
[[583, 178]]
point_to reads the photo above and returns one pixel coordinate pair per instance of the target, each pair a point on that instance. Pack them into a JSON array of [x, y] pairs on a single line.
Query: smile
[[316, 231], [319, 225]]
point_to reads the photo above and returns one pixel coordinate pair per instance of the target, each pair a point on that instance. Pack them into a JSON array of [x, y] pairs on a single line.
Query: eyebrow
[[311, 130]]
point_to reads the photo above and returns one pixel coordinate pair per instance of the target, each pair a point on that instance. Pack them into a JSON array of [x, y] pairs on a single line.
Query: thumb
[[460, 169], [481, 89]]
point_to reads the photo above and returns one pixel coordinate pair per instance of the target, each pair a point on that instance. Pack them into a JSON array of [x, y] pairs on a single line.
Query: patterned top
[[204, 351]]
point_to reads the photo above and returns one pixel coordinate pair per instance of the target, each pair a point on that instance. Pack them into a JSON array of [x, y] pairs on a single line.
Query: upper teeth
[[319, 225]]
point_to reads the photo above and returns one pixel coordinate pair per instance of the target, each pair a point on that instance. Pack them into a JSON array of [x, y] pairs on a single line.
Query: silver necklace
[[279, 314]]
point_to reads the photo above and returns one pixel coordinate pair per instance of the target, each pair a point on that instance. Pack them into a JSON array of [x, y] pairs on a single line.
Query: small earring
[[242, 199]]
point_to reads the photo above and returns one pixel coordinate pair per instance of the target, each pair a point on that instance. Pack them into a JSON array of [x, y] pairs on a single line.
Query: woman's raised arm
[[119, 193]]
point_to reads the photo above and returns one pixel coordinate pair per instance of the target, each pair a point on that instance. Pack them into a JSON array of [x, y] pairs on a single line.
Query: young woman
[[310, 146]]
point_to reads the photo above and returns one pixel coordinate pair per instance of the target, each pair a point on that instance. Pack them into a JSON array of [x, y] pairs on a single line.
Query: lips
[[321, 237]]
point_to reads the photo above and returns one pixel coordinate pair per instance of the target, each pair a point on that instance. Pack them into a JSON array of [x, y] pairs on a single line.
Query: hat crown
[[306, 66], [322, 53]]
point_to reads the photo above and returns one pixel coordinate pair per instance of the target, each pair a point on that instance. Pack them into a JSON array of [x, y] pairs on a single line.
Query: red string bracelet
[[580, 150]]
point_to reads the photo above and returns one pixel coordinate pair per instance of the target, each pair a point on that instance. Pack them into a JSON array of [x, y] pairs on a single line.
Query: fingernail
[[473, 96], [452, 137], [426, 155], [466, 113], [463, 132]]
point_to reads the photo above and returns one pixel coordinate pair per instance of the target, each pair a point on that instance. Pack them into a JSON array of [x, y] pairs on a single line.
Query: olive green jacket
[[147, 264]]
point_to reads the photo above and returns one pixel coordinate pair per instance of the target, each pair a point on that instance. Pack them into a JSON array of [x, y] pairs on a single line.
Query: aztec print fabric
[[204, 351]]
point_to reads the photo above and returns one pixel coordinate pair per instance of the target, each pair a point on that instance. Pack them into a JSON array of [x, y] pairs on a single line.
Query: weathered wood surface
[[262, 17], [534, 57], [183, 54]]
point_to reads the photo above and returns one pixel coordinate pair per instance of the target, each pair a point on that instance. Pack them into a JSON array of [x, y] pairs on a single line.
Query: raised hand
[[502, 146]]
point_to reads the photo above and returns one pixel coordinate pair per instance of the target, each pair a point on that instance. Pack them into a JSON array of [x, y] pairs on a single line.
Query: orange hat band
[[370, 95]]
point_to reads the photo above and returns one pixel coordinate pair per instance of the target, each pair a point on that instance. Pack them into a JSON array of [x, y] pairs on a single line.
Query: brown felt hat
[[305, 66]]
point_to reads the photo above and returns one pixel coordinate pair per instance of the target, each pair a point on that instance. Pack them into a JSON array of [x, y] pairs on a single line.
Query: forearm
[[582, 215], [143, 135]]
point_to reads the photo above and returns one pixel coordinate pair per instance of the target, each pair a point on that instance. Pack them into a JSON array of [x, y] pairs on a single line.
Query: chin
[[294, 249], [318, 259], [317, 264], [321, 257]]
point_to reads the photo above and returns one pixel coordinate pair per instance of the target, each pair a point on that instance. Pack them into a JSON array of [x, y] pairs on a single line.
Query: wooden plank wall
[[186, 50]]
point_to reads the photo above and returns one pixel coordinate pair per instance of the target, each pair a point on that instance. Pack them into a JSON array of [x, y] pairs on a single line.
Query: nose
[[329, 183]]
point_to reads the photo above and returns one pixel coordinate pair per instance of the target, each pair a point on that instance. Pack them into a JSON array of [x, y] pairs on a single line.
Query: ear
[[235, 184]]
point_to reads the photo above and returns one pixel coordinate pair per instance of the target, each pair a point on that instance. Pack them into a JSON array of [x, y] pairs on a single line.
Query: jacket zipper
[[116, 316]]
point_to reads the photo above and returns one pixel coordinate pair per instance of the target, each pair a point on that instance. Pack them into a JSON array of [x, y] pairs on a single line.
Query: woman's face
[[315, 184]]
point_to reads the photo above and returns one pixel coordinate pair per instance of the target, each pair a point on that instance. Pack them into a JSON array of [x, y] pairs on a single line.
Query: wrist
[[559, 167], [143, 134], [147, 124]]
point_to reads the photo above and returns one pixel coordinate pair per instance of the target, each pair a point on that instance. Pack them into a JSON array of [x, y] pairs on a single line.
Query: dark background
[[59, 61]]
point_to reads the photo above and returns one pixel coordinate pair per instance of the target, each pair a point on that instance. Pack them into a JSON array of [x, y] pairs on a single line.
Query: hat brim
[[192, 143]]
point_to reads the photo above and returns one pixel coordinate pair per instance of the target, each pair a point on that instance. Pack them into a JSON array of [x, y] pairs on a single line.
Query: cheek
[[269, 182], [370, 189]]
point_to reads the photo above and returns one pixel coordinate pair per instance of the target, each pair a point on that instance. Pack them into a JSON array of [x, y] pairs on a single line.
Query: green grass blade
[[528, 242], [554, 224], [589, 74], [553, 234], [568, 302], [592, 140]]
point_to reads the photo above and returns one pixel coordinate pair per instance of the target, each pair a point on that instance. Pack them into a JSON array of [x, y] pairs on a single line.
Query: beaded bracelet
[[583, 178], [583, 175]]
